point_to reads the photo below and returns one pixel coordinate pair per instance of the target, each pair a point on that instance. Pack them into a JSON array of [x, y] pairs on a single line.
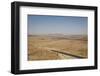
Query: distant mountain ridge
[[62, 36]]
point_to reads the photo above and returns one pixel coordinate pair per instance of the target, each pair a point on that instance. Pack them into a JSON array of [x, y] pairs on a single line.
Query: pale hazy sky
[[46, 24]]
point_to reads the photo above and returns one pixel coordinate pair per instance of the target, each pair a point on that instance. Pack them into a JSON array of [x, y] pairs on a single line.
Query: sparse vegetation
[[39, 47]]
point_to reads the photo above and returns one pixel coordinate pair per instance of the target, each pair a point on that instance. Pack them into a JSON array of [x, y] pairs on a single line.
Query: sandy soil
[[39, 48]]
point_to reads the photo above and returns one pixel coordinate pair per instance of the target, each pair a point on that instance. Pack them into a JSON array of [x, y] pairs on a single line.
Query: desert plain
[[57, 47]]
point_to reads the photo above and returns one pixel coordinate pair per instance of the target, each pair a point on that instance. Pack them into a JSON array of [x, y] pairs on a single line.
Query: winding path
[[63, 53]]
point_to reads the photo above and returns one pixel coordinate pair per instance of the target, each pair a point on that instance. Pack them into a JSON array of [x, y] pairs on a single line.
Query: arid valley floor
[[57, 47]]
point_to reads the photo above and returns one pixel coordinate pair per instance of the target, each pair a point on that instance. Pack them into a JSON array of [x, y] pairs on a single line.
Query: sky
[[46, 24]]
